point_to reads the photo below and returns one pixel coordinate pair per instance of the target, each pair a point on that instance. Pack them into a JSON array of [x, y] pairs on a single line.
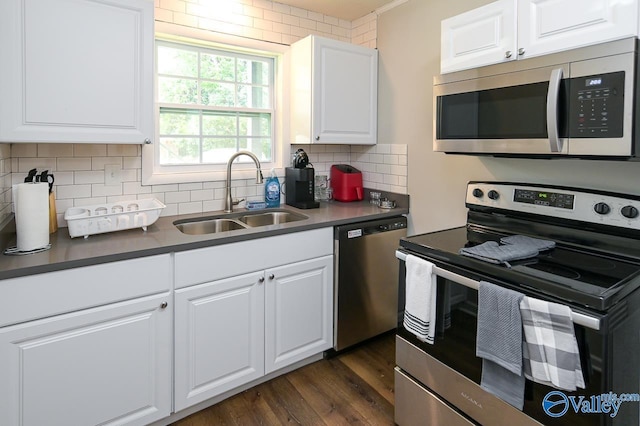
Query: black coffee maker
[[299, 188]]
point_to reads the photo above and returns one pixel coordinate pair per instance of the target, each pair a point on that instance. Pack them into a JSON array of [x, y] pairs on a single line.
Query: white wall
[[409, 45]]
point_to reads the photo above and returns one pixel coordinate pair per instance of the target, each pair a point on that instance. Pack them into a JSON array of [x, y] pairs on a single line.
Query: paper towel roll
[[31, 205]]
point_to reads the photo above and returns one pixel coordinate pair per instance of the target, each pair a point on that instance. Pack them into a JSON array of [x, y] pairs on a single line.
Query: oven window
[[516, 112], [456, 324]]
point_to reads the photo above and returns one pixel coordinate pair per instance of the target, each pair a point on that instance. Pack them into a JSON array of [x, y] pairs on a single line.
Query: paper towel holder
[[13, 251]]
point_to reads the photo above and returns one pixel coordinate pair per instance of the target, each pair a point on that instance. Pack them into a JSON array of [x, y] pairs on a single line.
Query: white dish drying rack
[[102, 218]]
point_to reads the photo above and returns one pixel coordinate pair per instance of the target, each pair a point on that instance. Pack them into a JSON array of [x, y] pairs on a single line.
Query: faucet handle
[[237, 201]]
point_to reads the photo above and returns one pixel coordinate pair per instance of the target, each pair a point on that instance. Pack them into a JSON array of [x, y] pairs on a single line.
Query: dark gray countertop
[[164, 237]]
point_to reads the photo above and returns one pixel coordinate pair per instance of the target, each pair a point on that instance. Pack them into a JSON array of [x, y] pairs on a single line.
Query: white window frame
[[153, 173]]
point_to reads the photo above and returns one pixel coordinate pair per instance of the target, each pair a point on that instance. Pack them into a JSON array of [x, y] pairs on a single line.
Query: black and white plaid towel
[[550, 350]]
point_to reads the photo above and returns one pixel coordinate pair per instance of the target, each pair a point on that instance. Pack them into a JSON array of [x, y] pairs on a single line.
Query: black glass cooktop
[[568, 272]]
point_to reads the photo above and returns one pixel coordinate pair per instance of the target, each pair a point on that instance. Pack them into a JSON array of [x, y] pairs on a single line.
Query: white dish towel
[[420, 305]]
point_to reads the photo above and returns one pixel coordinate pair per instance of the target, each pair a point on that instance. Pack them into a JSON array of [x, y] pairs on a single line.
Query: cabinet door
[[482, 36], [219, 337], [109, 365], [299, 311], [546, 26], [345, 93], [76, 71]]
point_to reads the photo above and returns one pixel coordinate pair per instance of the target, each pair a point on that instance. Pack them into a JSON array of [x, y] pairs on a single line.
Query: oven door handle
[[577, 317]]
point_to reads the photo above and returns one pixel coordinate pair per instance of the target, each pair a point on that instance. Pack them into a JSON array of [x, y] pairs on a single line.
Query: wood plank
[[374, 365]]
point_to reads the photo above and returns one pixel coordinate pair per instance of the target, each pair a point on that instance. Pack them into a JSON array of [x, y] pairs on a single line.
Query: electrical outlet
[[112, 174]]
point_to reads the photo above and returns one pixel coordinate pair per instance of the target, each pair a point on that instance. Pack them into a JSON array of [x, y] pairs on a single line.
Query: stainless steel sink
[[271, 218], [207, 226], [236, 221]]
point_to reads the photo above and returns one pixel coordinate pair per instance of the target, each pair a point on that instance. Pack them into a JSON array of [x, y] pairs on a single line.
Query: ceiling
[[343, 9]]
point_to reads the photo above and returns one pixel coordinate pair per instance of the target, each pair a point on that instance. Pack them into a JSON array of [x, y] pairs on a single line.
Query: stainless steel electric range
[[594, 269]]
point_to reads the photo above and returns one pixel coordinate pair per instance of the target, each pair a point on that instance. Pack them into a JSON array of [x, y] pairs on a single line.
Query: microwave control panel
[[597, 106]]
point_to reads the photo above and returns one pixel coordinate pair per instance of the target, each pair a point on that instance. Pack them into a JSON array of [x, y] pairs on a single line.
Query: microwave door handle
[[552, 110]]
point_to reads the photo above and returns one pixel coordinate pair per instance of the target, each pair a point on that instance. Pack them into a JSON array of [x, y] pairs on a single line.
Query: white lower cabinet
[[109, 365], [219, 337], [233, 326], [299, 311]]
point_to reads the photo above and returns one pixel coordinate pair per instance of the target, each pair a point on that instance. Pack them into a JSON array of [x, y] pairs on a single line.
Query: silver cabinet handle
[[521, 51], [147, 141], [317, 138], [552, 110], [271, 276], [164, 305], [507, 54], [261, 280]]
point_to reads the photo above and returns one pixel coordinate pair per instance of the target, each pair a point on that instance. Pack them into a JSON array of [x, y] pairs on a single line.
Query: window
[[212, 100], [212, 104]]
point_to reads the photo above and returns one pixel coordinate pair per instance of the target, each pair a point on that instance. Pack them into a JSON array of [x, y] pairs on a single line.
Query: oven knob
[[478, 193], [602, 208], [493, 195], [629, 212]]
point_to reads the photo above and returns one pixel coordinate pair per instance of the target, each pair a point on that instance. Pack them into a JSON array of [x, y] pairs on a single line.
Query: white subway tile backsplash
[[97, 163], [391, 159], [135, 188], [202, 195], [73, 191], [89, 150], [399, 149], [170, 210], [42, 164], [177, 197], [21, 150], [383, 149], [73, 164], [81, 177], [55, 150], [164, 188], [123, 150], [212, 205], [102, 190], [190, 186], [190, 208]]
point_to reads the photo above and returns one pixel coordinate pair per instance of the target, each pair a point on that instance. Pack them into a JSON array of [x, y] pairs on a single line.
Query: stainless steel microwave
[[578, 103]]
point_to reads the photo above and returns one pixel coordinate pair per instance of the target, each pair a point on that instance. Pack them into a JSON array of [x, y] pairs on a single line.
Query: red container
[[346, 182]]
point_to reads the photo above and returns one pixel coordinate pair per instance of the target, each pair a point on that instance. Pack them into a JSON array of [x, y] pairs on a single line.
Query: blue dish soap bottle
[[272, 190]]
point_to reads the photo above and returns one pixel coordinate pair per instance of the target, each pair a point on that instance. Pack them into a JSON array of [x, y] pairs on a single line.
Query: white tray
[[101, 218]]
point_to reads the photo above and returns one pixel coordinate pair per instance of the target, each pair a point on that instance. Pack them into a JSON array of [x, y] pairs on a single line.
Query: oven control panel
[[565, 203]]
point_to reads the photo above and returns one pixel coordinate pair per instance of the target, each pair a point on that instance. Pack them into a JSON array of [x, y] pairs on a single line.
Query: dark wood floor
[[353, 387]]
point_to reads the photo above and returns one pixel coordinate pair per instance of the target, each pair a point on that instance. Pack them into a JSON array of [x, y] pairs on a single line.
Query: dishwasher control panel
[[391, 226]]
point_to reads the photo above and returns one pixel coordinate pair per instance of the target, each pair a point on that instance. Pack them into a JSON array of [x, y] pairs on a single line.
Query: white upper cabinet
[[518, 29], [546, 26], [76, 71], [481, 36], [334, 92]]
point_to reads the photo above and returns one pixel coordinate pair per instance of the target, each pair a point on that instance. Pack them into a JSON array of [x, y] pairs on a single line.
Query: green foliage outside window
[[213, 104]]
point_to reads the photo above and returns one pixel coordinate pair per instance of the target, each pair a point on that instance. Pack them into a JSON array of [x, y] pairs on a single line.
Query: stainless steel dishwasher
[[366, 279]]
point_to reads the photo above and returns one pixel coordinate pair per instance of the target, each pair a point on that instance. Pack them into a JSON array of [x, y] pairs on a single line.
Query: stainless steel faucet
[[228, 202]]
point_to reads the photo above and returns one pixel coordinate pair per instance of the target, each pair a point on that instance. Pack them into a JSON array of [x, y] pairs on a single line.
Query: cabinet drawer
[[415, 405], [42, 295], [212, 263]]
